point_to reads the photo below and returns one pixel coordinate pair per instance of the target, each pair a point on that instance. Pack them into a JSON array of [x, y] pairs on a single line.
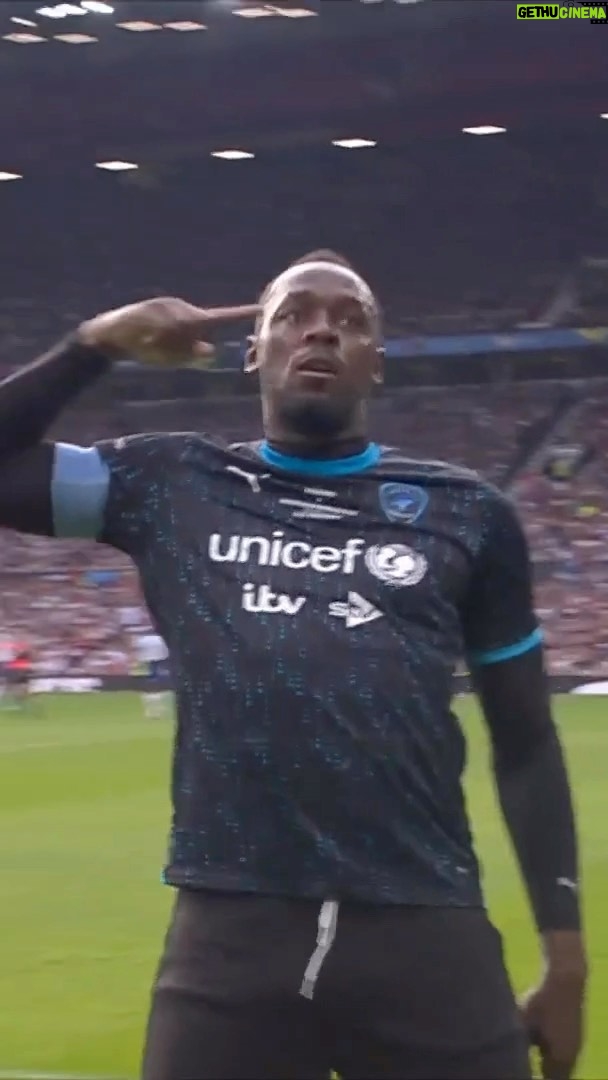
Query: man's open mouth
[[317, 365]]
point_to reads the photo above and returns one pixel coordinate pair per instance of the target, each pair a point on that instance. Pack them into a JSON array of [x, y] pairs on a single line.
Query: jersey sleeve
[[498, 618], [106, 492]]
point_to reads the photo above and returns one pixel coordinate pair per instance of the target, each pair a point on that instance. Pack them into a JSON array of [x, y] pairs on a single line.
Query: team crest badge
[[404, 503]]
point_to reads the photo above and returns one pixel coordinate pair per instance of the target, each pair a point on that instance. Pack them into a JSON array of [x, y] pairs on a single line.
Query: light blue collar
[[356, 463]]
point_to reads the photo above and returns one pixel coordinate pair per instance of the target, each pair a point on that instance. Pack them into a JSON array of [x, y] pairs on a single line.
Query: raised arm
[[506, 658], [30, 401], [57, 490]]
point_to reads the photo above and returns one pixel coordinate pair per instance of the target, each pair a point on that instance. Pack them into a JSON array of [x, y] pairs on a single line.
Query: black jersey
[[315, 612]]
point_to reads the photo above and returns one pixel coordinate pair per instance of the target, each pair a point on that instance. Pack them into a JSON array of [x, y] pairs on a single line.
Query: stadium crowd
[[482, 252], [78, 604], [488, 248]]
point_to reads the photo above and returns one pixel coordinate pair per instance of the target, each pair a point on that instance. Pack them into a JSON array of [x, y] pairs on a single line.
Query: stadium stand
[[483, 245]]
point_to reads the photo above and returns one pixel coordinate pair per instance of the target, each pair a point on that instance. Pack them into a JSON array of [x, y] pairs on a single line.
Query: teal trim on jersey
[[366, 459], [79, 491], [495, 656]]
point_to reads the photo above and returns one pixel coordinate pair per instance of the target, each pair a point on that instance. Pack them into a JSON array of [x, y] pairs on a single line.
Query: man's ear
[[251, 356], [378, 372]]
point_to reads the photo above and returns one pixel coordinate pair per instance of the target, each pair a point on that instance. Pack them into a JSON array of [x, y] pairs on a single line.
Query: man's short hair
[[325, 255]]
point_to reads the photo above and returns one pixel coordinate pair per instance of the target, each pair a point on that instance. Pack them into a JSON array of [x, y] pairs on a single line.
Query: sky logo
[[403, 503]]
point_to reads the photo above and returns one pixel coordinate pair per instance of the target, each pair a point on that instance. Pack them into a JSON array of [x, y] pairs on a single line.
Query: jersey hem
[[219, 882]]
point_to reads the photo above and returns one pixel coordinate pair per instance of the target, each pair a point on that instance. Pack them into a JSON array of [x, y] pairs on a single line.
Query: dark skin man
[[352, 816], [318, 354]]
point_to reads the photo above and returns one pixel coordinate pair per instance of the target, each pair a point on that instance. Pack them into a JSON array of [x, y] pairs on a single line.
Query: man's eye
[[289, 315], [352, 320]]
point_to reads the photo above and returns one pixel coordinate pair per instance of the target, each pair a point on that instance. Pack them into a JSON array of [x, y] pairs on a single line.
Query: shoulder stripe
[[79, 491], [508, 652]]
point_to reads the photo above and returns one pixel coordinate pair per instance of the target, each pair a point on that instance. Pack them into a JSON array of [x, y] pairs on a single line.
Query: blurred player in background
[[18, 673], [152, 654], [6, 655], [316, 592]]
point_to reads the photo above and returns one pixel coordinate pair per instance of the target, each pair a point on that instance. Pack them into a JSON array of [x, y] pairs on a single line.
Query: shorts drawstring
[[327, 925]]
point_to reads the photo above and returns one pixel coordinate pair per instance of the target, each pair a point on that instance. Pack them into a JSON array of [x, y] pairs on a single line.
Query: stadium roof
[[382, 71]]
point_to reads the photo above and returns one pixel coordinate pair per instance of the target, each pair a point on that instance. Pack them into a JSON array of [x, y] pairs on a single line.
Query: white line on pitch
[[16, 1075], [72, 744]]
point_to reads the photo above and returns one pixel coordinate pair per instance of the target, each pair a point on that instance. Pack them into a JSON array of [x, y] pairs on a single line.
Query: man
[[152, 655], [316, 592], [7, 653], [18, 674]]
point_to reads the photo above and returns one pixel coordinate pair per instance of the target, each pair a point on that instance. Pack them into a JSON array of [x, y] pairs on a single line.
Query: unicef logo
[[396, 564]]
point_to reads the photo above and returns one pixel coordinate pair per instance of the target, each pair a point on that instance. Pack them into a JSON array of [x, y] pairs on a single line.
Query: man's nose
[[321, 332]]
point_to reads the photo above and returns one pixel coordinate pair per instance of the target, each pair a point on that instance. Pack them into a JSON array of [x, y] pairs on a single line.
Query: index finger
[[229, 314]]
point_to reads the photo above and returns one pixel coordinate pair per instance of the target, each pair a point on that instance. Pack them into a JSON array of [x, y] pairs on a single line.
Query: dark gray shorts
[[401, 994]]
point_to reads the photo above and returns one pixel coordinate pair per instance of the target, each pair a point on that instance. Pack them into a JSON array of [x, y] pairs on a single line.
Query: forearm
[[32, 398], [30, 401], [537, 805]]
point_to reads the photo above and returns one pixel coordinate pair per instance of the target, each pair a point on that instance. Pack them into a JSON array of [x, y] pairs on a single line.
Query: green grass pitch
[[83, 819]]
